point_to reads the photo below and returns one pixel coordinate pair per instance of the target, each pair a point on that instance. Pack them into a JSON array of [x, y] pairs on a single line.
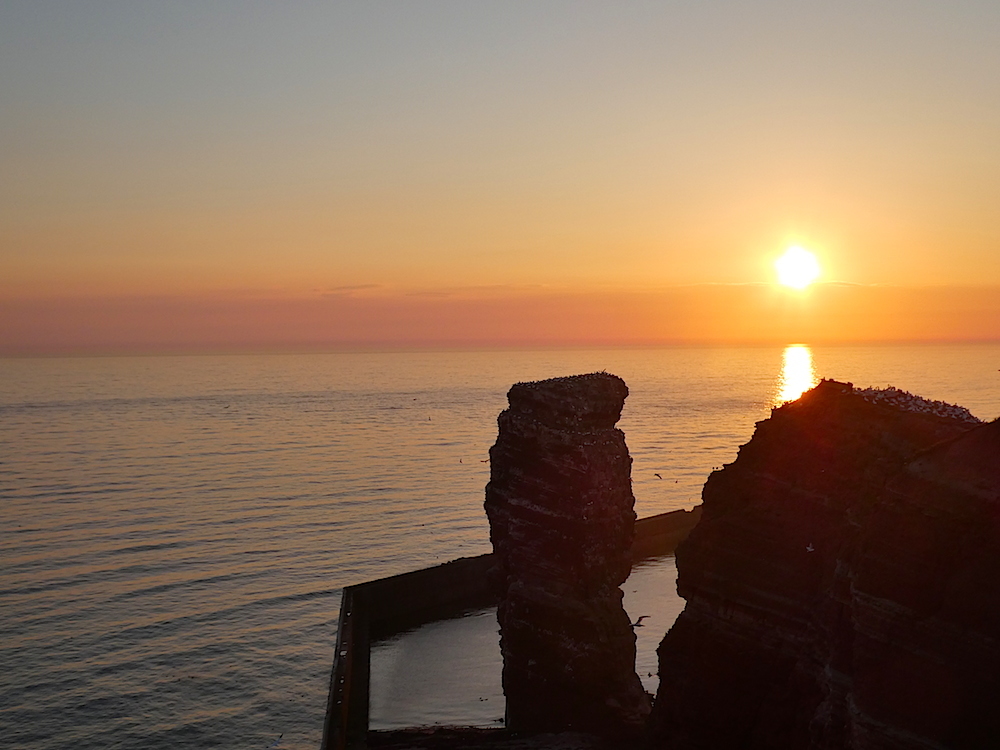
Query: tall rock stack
[[560, 506], [842, 585]]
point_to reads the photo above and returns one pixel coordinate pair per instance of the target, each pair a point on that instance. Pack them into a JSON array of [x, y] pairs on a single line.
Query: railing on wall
[[379, 609]]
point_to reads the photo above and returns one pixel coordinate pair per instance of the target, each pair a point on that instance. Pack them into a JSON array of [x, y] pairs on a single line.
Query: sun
[[797, 268]]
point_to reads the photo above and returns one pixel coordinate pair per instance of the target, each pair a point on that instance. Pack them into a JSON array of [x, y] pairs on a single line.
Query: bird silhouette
[[657, 476], [638, 623]]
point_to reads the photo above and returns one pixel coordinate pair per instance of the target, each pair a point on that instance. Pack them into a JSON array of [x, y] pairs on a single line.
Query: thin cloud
[[346, 290]]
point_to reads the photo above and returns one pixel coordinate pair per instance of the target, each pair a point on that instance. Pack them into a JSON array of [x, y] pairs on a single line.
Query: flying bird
[[638, 623], [657, 475]]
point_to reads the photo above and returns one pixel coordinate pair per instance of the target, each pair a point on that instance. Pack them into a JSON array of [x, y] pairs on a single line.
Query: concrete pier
[[379, 609]]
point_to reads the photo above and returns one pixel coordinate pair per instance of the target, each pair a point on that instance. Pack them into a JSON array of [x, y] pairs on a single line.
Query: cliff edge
[[843, 584]]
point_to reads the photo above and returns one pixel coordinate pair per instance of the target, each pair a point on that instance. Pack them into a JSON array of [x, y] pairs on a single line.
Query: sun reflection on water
[[797, 373]]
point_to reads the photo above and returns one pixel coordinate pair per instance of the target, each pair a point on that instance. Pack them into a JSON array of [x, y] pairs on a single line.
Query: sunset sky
[[244, 175]]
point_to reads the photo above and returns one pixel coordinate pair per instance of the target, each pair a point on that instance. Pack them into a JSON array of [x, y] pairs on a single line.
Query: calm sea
[[176, 530]]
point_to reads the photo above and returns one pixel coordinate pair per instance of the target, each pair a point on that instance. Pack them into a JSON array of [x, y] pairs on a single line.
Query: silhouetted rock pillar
[[560, 506]]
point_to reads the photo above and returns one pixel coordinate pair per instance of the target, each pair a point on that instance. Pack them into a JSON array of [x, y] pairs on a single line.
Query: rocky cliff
[[843, 584], [560, 507]]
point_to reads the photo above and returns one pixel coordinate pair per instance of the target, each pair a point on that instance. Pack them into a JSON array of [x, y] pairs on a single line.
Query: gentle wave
[[177, 530]]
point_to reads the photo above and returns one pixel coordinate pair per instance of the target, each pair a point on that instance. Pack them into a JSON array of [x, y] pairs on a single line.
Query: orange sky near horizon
[[254, 175], [697, 314]]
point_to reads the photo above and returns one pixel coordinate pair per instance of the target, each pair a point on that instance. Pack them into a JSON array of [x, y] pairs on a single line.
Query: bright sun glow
[[797, 268], [797, 373]]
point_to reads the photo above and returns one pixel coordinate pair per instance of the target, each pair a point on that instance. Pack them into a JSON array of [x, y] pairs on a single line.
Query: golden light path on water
[[797, 373]]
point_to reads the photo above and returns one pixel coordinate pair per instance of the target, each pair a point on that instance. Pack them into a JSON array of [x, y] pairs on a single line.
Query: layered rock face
[[926, 603], [843, 585], [560, 507]]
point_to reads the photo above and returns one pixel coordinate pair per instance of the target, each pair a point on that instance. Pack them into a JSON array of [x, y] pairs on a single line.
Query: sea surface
[[175, 531]]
